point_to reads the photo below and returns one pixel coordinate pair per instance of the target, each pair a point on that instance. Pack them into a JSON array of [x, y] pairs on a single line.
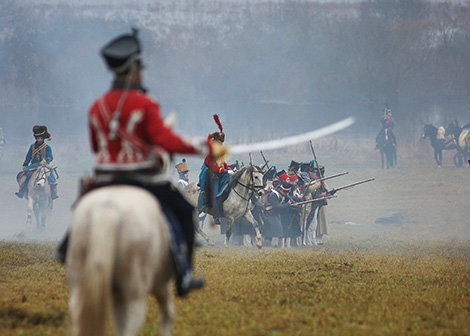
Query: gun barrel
[[314, 200], [354, 184], [328, 177]]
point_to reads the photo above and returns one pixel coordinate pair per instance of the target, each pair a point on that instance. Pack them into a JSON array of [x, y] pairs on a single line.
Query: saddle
[[178, 244], [22, 178]]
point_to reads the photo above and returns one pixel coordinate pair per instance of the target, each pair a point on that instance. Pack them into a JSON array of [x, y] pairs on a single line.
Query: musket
[[314, 200], [327, 178], [315, 158], [347, 186], [265, 161]]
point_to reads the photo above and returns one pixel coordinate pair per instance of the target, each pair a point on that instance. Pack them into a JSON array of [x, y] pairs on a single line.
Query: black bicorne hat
[[122, 52]]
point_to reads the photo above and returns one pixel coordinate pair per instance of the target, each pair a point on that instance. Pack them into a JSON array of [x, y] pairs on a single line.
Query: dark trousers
[[171, 198]]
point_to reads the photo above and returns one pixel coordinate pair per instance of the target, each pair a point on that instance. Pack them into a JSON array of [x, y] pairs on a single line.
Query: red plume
[[217, 121]]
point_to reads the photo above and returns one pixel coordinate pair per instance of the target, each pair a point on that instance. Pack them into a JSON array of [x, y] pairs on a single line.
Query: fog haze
[[268, 68]]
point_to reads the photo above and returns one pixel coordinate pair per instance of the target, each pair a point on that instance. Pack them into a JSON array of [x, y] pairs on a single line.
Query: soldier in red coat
[[214, 178], [133, 144]]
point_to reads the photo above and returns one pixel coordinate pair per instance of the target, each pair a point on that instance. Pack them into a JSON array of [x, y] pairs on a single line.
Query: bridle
[[251, 186], [42, 174]]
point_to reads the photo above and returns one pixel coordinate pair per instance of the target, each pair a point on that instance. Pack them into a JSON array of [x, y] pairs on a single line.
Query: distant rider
[[388, 123], [39, 153]]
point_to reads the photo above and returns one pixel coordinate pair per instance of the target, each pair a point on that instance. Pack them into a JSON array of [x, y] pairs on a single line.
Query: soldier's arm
[[49, 156], [28, 158], [313, 187]]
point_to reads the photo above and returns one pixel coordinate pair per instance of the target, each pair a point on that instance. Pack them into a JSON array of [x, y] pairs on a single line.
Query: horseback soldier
[[132, 142], [183, 171], [214, 178], [39, 153], [388, 123]]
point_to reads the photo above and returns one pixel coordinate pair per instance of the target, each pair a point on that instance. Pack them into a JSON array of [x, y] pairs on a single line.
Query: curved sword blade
[[292, 140]]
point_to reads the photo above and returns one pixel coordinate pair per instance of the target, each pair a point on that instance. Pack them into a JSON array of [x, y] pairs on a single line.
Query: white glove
[[230, 172]]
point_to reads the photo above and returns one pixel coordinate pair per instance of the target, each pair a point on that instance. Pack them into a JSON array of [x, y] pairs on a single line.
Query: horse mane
[[236, 177]]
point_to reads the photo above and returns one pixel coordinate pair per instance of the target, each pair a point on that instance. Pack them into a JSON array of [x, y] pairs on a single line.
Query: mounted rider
[[214, 178], [133, 146], [183, 172], [388, 123], [39, 153]]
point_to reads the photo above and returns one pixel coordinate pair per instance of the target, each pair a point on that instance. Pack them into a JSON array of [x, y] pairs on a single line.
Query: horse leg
[[382, 157], [259, 238], [438, 157], [37, 214], [228, 231], [167, 310], [198, 229], [30, 213]]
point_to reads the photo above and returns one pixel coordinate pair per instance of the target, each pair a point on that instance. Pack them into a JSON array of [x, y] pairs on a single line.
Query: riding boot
[[54, 191], [61, 251], [186, 283], [20, 192]]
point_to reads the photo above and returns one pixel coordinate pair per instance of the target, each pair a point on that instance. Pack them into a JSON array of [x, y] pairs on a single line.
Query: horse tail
[[98, 270]]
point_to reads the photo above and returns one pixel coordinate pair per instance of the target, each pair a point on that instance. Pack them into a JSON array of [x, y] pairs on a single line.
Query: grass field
[[405, 278], [401, 288]]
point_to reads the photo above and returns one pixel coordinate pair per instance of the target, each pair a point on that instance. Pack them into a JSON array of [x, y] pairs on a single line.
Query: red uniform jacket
[[140, 120]]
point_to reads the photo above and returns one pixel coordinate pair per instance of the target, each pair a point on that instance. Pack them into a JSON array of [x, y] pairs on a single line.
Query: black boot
[[54, 191], [61, 251], [186, 283], [20, 193]]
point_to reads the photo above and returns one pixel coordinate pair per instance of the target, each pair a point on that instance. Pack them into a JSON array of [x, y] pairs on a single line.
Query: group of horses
[[453, 137]]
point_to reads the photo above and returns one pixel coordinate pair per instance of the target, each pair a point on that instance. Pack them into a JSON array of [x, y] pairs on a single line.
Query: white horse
[[191, 191], [119, 253], [39, 195], [244, 186]]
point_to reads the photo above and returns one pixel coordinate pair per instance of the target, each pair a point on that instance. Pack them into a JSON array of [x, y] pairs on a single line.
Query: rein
[[250, 187]]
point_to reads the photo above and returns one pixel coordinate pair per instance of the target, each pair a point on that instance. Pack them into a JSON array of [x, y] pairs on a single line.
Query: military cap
[[182, 167], [269, 175], [280, 173], [41, 131], [307, 167], [294, 166], [122, 52]]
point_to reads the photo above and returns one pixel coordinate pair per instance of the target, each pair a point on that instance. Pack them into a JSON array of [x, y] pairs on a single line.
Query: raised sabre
[[292, 140]]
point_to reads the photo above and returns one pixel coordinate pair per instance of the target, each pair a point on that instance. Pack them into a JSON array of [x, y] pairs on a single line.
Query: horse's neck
[[241, 187]]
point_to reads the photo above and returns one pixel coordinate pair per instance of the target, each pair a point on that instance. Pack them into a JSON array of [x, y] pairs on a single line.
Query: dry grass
[[402, 288], [408, 278]]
